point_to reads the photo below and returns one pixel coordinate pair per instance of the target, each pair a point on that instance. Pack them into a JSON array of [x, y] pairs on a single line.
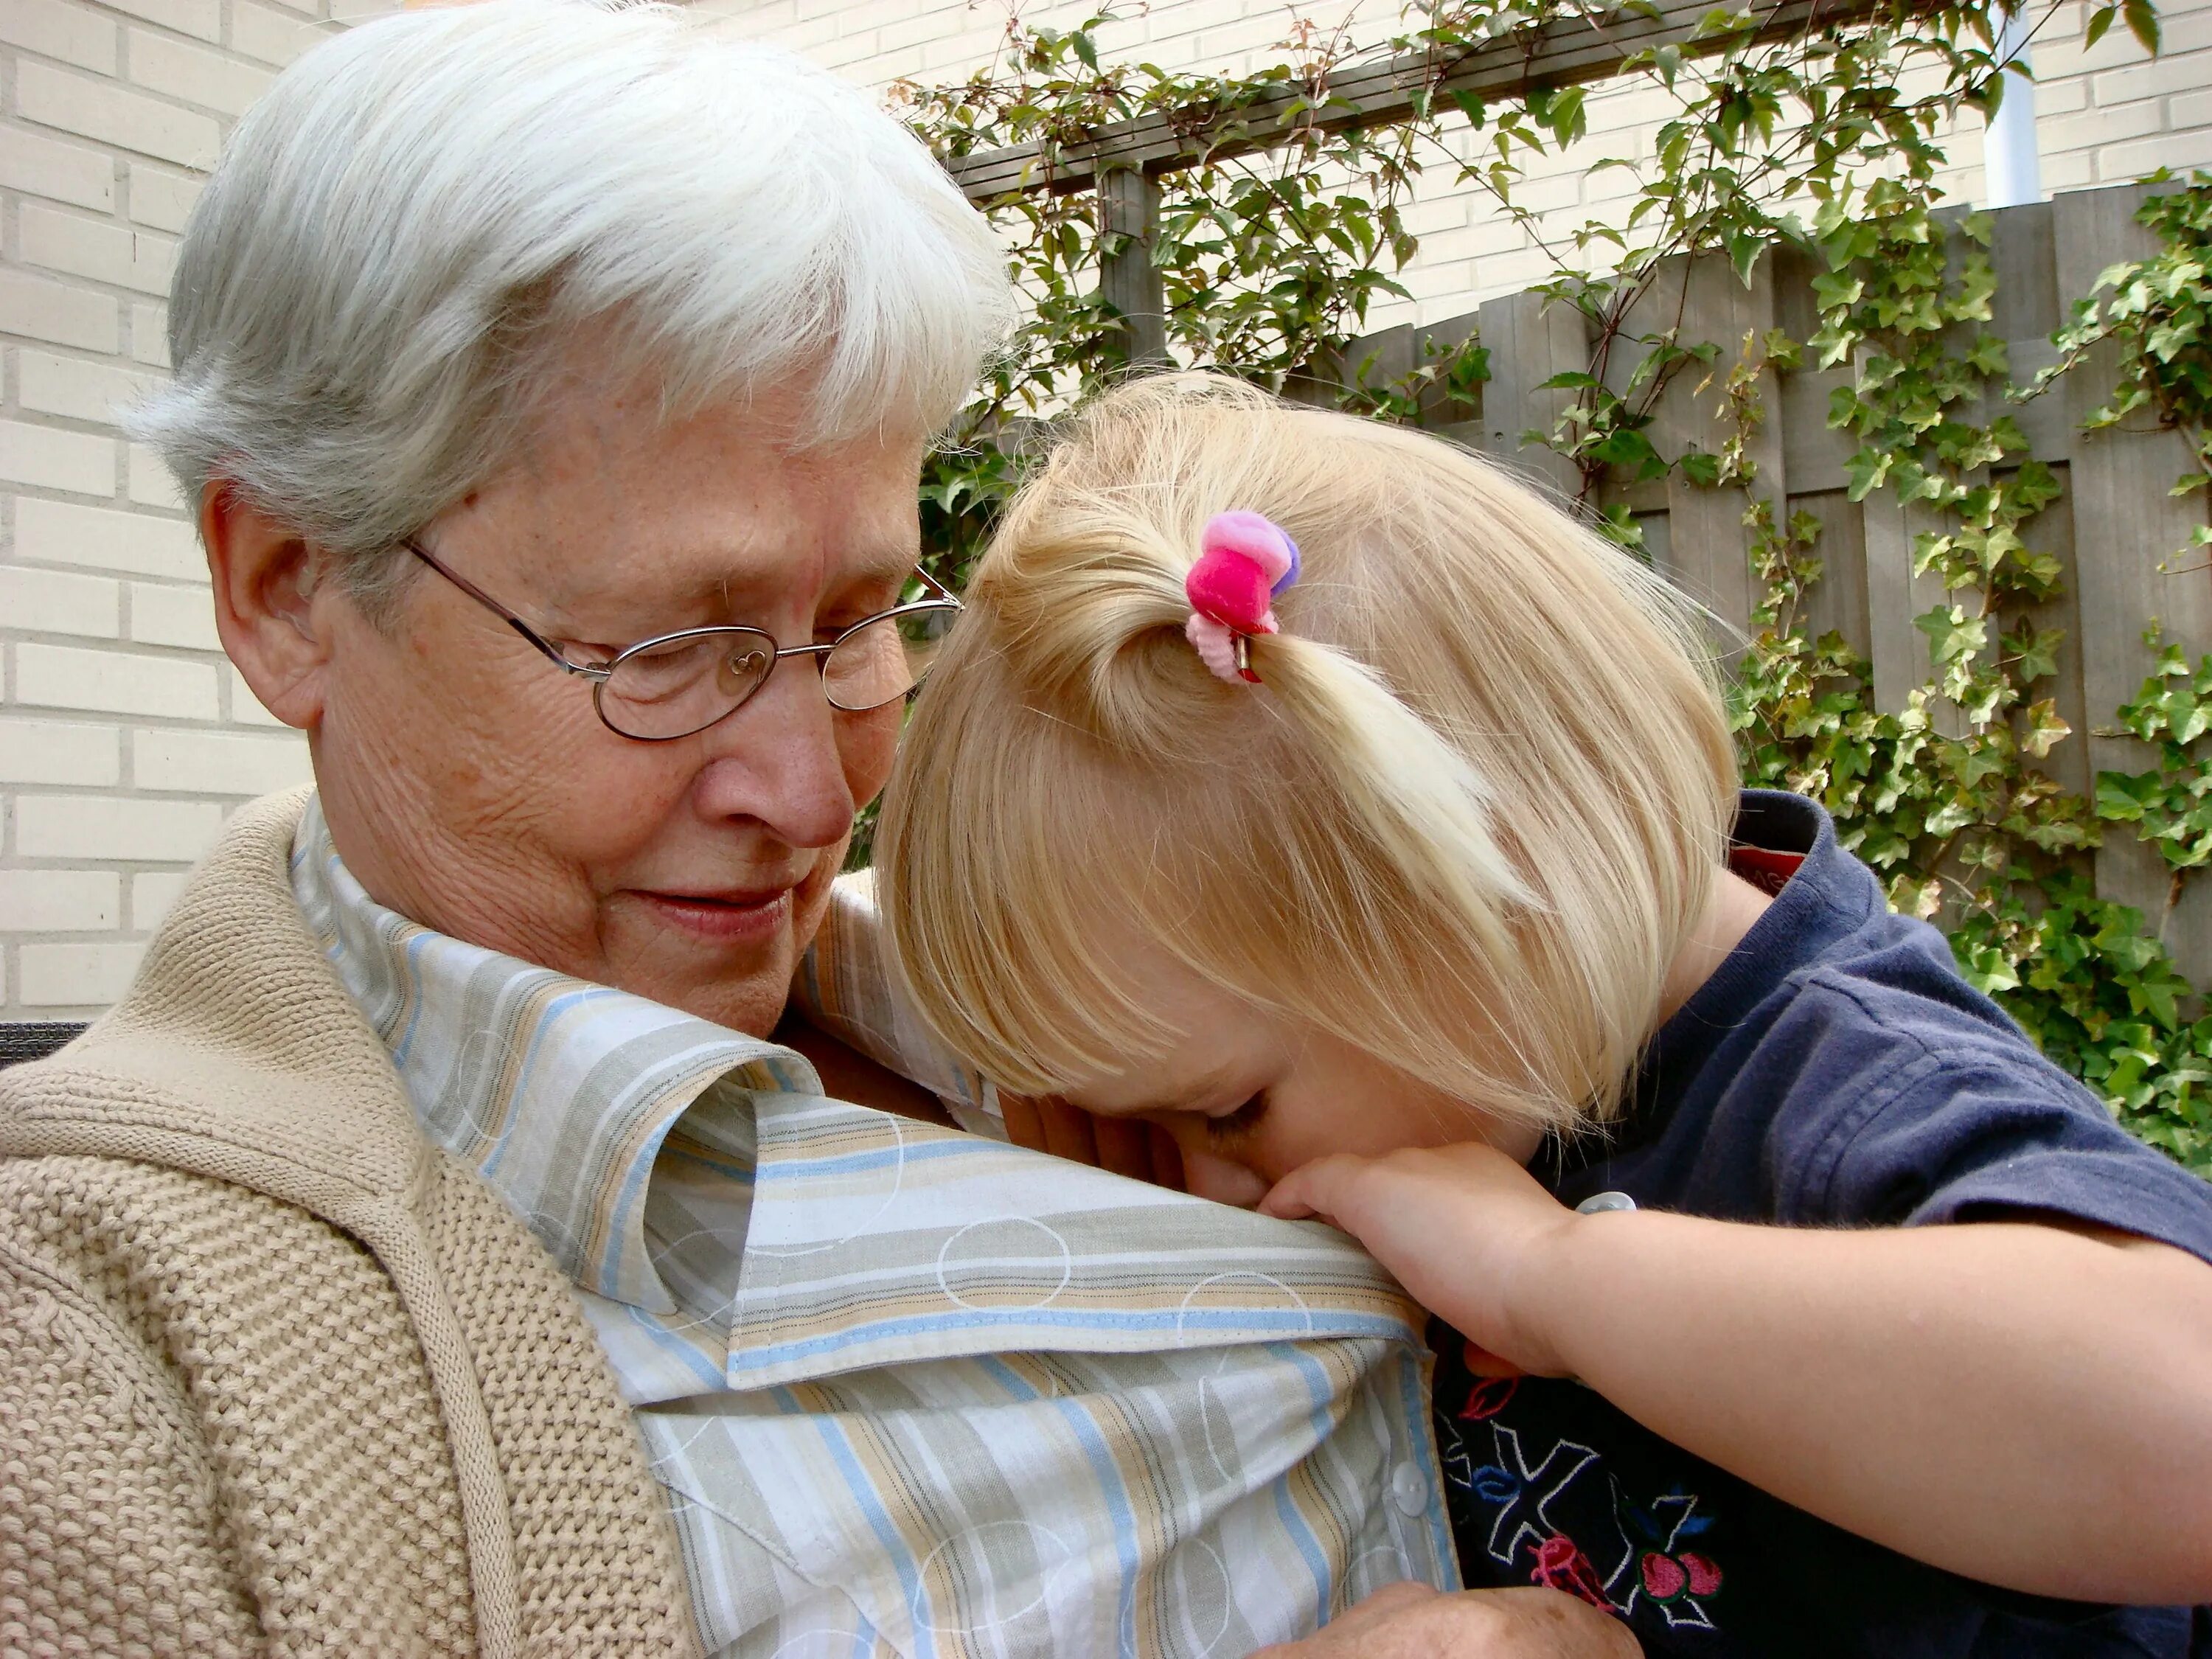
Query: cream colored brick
[[114, 682], [77, 976], [2061, 97], [193, 75], [181, 617], [246, 709], [2074, 171], [2096, 128], [47, 456], [59, 172], [57, 751], [218, 763], [95, 828], [152, 483], [100, 249], [152, 893], [60, 602], [55, 28], [273, 36], [2194, 110], [107, 538], [160, 198], [2178, 150], [57, 312], [60, 901], [359, 11], [149, 335], [103, 110], [200, 17], [82, 391]]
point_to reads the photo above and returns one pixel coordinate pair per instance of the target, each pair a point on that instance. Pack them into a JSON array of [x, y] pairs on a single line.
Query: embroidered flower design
[[1489, 1396], [1561, 1565], [1671, 1577]]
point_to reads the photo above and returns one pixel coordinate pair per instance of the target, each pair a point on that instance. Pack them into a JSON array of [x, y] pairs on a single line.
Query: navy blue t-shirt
[[1835, 1070]]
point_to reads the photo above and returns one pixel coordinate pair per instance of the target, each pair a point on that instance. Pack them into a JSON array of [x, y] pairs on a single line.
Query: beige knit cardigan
[[277, 1376]]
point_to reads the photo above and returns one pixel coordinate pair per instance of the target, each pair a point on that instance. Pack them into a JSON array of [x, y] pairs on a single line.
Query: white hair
[[410, 225]]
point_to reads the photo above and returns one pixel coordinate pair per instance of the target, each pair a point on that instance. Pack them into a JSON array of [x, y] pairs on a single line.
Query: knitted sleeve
[[109, 1539]]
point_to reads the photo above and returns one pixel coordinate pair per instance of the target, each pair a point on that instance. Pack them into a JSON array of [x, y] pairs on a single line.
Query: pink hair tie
[[1243, 561]]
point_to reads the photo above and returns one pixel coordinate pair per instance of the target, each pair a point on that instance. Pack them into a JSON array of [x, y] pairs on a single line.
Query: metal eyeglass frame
[[599, 674]]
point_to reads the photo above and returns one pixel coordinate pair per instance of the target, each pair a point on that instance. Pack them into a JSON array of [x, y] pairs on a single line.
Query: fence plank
[[1530, 343], [1894, 597], [1709, 545], [1837, 604], [2129, 529], [2053, 532]]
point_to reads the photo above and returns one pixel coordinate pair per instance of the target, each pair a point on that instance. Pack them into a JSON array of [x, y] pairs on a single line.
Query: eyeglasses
[[675, 684]]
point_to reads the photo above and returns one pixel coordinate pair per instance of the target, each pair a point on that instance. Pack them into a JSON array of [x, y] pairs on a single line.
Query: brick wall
[[124, 736]]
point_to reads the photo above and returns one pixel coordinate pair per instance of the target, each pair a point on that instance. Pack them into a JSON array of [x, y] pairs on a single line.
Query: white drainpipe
[[2010, 165]]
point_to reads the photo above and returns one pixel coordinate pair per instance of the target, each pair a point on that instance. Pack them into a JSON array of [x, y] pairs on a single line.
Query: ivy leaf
[[2046, 730], [1951, 634], [2099, 20]]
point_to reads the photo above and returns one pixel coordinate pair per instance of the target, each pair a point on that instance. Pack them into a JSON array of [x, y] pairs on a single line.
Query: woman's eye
[[1233, 1126]]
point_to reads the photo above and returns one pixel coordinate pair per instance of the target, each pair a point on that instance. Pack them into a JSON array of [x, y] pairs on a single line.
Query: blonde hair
[[1466, 823]]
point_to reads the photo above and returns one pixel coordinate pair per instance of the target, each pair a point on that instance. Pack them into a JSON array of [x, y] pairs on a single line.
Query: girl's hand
[[1125, 1146], [1465, 1229]]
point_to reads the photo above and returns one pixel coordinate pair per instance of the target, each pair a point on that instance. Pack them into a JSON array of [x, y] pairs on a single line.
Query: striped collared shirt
[[914, 1391]]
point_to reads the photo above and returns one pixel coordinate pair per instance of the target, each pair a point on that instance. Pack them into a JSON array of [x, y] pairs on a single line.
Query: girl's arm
[[2027, 1404]]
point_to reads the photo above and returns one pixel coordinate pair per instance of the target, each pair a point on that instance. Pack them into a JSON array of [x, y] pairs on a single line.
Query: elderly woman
[[435, 1253]]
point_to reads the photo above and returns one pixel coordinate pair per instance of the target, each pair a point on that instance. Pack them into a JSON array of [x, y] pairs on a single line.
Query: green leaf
[[1951, 634], [2141, 17], [2099, 20]]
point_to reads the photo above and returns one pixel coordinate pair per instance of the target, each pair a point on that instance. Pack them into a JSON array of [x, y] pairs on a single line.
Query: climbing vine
[[1271, 261], [1948, 798]]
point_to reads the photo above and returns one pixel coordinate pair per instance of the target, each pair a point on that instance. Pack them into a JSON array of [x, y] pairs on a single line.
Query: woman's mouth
[[743, 918]]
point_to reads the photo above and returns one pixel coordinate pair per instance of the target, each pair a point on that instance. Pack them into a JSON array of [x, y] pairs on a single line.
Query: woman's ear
[[264, 575]]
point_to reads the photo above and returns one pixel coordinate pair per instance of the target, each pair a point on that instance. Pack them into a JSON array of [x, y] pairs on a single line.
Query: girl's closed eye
[[1228, 1127]]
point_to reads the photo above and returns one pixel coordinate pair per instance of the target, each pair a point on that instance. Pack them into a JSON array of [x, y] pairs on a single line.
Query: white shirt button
[[1408, 1491]]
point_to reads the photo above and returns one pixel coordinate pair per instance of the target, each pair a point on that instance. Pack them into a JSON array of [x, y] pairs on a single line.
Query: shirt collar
[[863, 1238], [558, 1091]]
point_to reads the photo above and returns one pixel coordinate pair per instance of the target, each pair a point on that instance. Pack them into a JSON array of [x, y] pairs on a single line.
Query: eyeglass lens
[[672, 688]]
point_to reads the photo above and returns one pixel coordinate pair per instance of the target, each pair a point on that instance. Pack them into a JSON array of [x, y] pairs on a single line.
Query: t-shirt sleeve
[[1931, 1120]]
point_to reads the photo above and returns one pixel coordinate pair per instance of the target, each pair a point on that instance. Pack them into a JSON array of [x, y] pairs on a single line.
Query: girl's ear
[[263, 574]]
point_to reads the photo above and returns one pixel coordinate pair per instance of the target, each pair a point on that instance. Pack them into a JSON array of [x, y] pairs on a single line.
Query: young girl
[[1306, 787]]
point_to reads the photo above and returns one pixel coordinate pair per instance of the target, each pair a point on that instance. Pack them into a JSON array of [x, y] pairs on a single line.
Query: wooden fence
[[2115, 528]]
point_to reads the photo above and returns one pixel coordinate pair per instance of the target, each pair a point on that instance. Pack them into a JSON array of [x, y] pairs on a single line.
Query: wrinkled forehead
[[610, 500]]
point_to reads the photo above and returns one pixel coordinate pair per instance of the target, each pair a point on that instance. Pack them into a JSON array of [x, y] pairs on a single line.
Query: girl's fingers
[[1313, 1189], [1019, 1113], [1125, 1146], [1167, 1160], [1067, 1131]]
